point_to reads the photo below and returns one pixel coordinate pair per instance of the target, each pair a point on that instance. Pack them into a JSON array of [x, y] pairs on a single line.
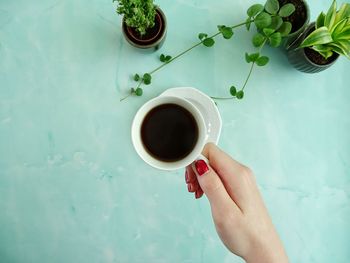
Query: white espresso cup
[[137, 140]]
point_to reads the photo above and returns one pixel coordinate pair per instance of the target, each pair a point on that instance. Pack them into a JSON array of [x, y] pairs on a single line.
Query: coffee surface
[[169, 132]]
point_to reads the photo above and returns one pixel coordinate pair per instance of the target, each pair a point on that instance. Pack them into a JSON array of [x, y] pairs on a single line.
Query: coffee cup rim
[[136, 132]]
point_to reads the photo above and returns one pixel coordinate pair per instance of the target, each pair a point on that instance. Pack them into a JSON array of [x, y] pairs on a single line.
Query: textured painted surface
[[72, 189]]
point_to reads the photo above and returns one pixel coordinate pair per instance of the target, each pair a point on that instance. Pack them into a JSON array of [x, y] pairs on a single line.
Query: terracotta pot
[[301, 58], [154, 37]]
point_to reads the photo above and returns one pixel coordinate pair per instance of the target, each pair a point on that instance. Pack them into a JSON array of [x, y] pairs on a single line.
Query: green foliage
[[138, 92], [332, 32], [272, 6], [286, 10], [139, 14], [136, 77], [226, 31], [208, 42], [147, 78], [233, 91], [165, 58]]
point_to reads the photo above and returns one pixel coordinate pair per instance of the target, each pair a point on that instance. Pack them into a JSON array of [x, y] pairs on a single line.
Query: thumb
[[212, 185]]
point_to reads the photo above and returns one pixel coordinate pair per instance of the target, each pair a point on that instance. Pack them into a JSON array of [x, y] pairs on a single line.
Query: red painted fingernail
[[201, 167], [189, 187], [196, 194], [186, 177]]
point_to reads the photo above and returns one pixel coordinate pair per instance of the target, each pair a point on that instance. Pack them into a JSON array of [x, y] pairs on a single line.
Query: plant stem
[[194, 46], [131, 93], [181, 54], [250, 73], [251, 68]]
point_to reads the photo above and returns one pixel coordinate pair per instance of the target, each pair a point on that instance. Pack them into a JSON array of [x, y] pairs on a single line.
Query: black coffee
[[169, 132]]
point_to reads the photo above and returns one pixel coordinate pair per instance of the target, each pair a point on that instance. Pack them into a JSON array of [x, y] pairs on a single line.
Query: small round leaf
[[258, 40], [136, 77], [262, 20], [262, 61], [254, 56], [138, 92], [254, 10], [162, 58], [276, 22], [272, 6], [208, 42], [268, 31], [275, 39], [201, 36], [147, 78], [285, 28], [240, 94], [248, 23], [233, 91], [286, 10]]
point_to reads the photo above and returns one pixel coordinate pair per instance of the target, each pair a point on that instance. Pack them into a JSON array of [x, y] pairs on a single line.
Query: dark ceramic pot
[[298, 27], [303, 58], [154, 37]]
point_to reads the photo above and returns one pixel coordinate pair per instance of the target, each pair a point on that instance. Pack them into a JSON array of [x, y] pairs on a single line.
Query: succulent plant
[[332, 32]]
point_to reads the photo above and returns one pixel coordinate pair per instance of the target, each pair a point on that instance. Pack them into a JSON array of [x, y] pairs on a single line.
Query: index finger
[[237, 178]]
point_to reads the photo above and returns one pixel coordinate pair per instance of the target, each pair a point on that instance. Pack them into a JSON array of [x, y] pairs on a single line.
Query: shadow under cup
[[139, 146]]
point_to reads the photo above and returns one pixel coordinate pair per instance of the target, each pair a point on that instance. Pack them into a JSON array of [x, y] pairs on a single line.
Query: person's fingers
[[237, 178], [193, 187], [189, 175], [213, 188], [199, 193]]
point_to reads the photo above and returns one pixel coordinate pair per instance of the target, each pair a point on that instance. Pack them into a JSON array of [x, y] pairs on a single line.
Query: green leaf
[[272, 6], [275, 39], [286, 10], [201, 36], [247, 58], [262, 61], [138, 92], [233, 91], [168, 58], [226, 32], [285, 28], [317, 37], [208, 42], [254, 10], [136, 77], [240, 94], [344, 46], [147, 78], [248, 23], [254, 56], [343, 12], [162, 58], [258, 40], [276, 22], [345, 34], [320, 20], [268, 31], [262, 20], [331, 14], [339, 28]]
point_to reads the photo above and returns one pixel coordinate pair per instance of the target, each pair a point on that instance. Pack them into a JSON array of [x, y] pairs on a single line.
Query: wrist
[[267, 255]]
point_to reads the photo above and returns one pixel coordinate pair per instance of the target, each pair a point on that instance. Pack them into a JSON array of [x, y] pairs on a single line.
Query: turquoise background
[[72, 188]]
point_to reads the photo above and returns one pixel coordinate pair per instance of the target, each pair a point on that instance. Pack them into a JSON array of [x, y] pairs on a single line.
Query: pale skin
[[238, 210]]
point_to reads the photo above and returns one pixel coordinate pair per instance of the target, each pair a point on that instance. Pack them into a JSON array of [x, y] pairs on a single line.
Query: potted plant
[[324, 40], [144, 24], [299, 19], [268, 19]]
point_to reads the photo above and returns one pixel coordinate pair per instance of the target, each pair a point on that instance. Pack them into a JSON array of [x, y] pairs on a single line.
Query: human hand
[[240, 216]]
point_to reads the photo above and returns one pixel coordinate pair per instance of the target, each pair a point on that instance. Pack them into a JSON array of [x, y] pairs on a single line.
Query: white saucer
[[205, 105]]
